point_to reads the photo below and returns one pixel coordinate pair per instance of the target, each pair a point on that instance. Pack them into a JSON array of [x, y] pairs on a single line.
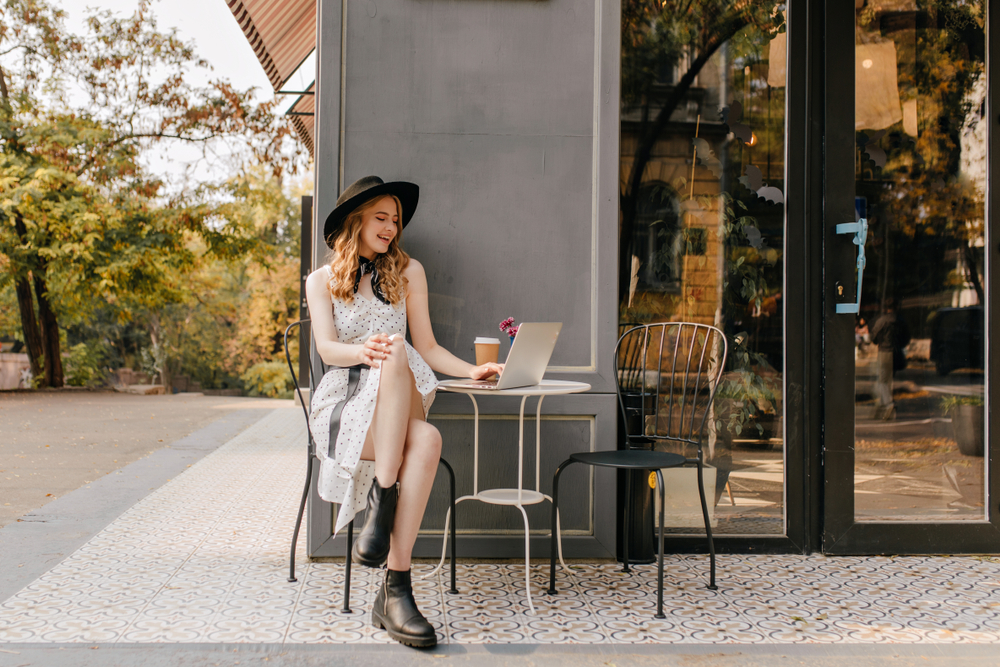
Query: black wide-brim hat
[[363, 190]]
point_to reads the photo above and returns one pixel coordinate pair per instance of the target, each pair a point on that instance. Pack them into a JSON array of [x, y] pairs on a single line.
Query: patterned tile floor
[[202, 560]]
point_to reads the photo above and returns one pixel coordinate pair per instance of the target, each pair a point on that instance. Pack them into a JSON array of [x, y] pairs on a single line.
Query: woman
[[370, 428]]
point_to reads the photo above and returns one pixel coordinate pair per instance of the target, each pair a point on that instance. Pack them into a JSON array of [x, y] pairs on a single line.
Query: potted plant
[[747, 398], [967, 415]]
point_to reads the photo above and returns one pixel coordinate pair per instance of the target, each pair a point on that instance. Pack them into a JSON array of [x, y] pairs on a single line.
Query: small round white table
[[520, 496]]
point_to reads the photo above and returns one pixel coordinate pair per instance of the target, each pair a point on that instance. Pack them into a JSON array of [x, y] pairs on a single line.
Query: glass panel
[[702, 180], [920, 182]]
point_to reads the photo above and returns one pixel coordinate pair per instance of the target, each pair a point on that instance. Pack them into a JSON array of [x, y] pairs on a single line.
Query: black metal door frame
[[841, 534]]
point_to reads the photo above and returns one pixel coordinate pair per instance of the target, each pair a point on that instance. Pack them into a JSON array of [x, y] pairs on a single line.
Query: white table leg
[[505, 500], [475, 445], [538, 474], [475, 484], [444, 546], [520, 452], [558, 537], [520, 488], [527, 563], [538, 444]]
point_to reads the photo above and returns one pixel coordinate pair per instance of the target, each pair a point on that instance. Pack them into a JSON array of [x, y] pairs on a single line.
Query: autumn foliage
[[98, 248]]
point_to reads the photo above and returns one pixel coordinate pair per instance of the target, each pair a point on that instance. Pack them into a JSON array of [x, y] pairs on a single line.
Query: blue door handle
[[860, 231]]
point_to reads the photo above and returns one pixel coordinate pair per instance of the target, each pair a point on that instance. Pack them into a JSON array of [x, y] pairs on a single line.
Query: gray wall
[[495, 109]]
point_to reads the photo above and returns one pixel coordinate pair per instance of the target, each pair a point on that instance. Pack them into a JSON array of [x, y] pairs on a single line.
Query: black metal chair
[[666, 378], [311, 454]]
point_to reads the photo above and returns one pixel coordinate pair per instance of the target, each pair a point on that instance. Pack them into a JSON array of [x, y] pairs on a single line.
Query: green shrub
[[268, 378], [83, 366], [954, 400]]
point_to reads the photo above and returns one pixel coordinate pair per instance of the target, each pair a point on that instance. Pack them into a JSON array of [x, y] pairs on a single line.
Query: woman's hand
[[485, 371], [374, 350]]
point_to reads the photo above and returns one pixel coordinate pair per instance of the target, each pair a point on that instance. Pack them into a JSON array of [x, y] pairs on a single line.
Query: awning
[[304, 123], [282, 34]]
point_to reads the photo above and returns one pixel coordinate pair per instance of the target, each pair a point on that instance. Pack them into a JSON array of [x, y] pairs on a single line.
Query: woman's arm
[[419, 320], [331, 351]]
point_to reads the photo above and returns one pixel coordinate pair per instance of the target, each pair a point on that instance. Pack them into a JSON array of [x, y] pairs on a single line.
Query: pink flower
[[506, 325], [513, 331]]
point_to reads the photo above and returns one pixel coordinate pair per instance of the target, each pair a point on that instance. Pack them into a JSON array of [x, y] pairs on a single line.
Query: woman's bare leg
[[416, 477], [392, 410], [413, 462]]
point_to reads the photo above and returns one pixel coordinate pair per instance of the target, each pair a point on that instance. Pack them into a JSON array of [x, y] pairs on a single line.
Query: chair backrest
[[666, 377], [295, 379]]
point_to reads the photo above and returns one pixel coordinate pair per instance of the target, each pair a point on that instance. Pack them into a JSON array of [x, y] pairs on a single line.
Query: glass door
[[702, 226], [906, 460]]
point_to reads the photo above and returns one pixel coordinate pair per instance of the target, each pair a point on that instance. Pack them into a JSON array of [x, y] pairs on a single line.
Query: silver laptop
[[527, 359]]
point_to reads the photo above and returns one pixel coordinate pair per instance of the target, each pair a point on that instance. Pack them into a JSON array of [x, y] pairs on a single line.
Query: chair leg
[[454, 530], [729, 488], [625, 519], [298, 519], [708, 526], [347, 568], [555, 546], [659, 569]]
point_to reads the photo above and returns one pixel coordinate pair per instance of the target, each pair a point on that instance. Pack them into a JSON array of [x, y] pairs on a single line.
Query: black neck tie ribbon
[[366, 265]]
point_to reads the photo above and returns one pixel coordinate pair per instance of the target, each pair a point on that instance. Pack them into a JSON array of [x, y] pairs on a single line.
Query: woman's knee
[[396, 361], [424, 441]]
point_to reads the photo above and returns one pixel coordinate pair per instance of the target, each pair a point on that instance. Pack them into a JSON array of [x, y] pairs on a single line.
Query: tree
[[657, 35], [33, 33], [81, 219], [232, 314], [924, 186]]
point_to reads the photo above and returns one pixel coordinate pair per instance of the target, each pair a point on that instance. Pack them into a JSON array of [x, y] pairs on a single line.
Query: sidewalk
[[195, 573], [54, 442]]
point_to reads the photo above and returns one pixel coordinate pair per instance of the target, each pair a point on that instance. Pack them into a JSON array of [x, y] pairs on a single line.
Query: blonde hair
[[343, 258]]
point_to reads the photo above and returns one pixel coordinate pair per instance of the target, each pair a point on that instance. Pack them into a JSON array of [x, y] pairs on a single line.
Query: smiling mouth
[[384, 239]]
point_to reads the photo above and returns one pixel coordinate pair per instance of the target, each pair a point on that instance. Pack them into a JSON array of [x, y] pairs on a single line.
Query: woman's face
[[378, 227]]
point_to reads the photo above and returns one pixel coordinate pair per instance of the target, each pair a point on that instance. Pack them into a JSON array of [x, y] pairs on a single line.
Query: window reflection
[[702, 218], [920, 182]]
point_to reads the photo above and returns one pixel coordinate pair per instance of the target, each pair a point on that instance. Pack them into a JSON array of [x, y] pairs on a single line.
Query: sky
[[217, 38], [207, 23]]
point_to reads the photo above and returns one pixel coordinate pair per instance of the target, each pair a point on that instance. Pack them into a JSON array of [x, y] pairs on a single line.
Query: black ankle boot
[[396, 612], [372, 545]]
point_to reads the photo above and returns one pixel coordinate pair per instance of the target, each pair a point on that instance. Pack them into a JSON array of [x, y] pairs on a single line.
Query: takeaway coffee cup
[[487, 350]]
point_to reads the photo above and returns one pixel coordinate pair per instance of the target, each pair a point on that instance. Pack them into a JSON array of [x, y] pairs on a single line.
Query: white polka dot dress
[[343, 477]]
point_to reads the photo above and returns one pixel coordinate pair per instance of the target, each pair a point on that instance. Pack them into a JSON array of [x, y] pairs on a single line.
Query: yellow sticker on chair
[[652, 480]]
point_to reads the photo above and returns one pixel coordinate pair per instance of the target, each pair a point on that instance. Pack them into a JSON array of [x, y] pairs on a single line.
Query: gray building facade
[[496, 111], [815, 179]]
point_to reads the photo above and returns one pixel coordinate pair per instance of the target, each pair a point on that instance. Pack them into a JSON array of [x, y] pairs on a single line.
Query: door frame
[[841, 533]]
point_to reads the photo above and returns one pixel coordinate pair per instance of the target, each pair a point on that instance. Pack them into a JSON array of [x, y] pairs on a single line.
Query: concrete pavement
[[54, 442], [263, 655], [93, 542]]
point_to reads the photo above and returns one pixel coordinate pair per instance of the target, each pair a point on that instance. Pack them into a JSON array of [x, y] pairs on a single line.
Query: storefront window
[[921, 128], [702, 175]]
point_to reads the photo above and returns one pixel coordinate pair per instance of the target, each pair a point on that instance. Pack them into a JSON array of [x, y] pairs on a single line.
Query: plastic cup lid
[[487, 341]]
